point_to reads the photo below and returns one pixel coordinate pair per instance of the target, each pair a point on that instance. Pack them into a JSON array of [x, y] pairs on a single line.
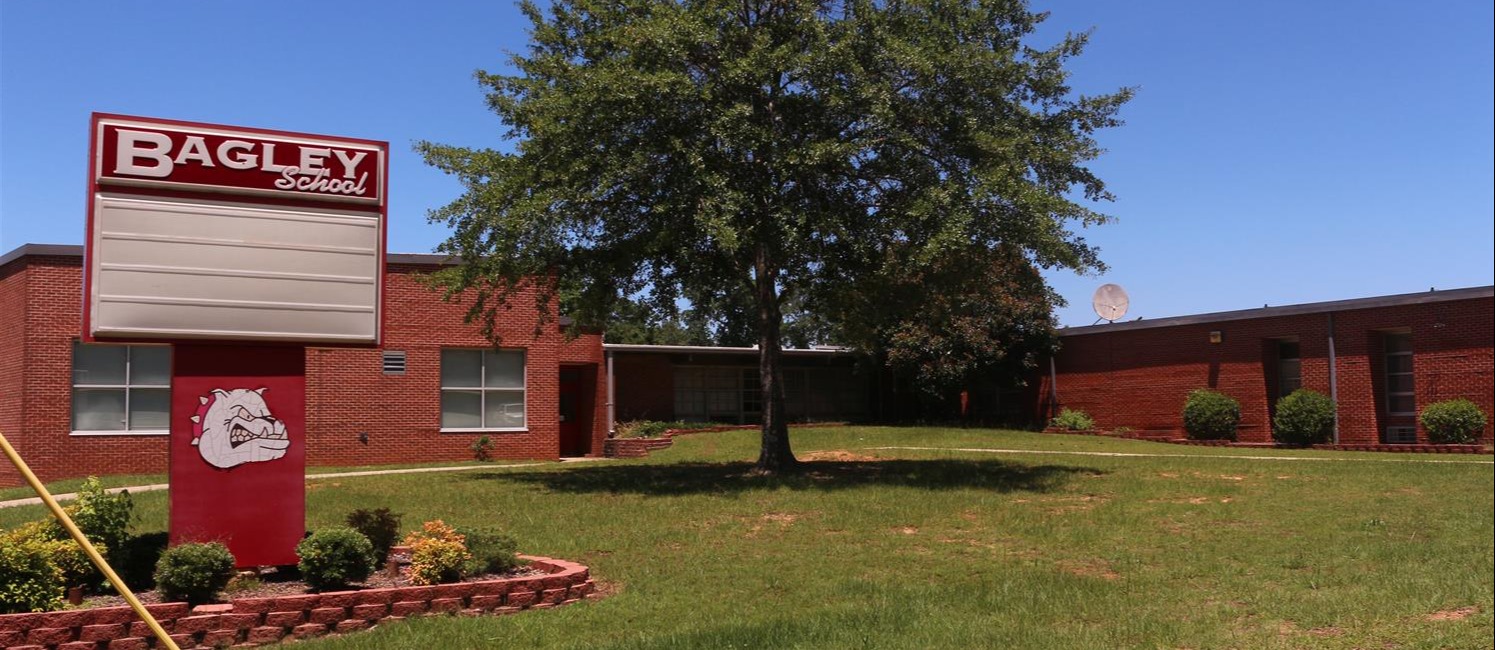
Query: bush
[[438, 554], [104, 518], [381, 526], [1073, 420], [29, 580], [65, 553], [1455, 421], [482, 448], [1210, 415], [332, 558], [1303, 418], [492, 551], [194, 572], [641, 429]]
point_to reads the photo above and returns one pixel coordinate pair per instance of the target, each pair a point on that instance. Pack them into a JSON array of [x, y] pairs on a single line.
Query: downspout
[[1053, 386], [1333, 378], [612, 429]]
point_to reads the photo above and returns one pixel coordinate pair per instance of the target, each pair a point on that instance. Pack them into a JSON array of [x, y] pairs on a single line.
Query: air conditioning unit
[[1401, 435]]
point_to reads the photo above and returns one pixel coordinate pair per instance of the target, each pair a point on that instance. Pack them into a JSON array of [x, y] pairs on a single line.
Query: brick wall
[[347, 392], [1138, 377], [12, 358]]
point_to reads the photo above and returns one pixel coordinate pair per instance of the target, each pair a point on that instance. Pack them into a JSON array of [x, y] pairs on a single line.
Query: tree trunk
[[775, 455]]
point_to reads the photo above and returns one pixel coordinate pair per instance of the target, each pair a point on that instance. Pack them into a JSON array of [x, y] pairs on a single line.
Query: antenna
[[1110, 302]]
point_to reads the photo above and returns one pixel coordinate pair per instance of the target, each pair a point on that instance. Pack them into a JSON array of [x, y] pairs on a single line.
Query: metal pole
[[1333, 378], [612, 413], [93, 554], [1053, 386]]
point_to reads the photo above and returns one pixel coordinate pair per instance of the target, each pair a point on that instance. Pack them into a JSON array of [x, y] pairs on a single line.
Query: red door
[[576, 409]]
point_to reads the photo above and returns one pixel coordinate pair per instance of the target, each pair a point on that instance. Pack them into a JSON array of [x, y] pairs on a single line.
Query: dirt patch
[[838, 455], [1452, 614], [906, 530], [1089, 569], [1327, 631], [781, 517]]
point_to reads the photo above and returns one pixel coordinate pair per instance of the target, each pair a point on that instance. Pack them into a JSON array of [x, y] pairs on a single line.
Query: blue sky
[[1276, 153]]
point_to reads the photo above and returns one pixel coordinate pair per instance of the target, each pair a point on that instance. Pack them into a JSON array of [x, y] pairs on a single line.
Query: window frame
[[482, 390], [1387, 374], [128, 387]]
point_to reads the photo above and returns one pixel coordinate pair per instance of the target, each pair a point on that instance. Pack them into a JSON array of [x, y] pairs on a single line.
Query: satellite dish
[[1110, 302]]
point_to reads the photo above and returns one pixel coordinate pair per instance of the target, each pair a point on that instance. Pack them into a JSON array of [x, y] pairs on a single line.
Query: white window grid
[[482, 390], [127, 386]]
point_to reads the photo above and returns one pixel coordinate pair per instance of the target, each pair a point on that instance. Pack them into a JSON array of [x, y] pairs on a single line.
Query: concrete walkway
[[1120, 454], [68, 496]]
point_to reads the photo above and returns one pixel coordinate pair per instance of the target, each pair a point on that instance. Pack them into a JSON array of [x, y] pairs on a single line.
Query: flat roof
[[712, 349], [1421, 297], [1376, 302], [75, 250]]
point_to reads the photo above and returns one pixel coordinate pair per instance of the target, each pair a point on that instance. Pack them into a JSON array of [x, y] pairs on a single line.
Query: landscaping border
[[1172, 438], [260, 621], [640, 447]]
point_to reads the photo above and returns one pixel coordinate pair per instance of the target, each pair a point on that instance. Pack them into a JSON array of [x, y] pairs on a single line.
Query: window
[[121, 389], [1289, 368], [482, 390], [733, 395], [1399, 381]]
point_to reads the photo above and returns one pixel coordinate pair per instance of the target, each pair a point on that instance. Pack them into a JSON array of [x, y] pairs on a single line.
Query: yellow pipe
[[93, 554]]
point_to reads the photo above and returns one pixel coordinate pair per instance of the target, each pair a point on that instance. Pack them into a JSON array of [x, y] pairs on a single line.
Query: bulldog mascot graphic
[[233, 427]]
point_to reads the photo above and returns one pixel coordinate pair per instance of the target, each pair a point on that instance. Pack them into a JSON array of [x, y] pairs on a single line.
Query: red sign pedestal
[[238, 449]]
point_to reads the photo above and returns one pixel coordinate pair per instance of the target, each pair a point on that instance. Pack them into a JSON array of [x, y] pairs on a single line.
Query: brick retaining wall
[[258, 621]]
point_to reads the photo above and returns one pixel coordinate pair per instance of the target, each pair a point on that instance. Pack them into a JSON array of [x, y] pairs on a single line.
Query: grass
[[932, 548]]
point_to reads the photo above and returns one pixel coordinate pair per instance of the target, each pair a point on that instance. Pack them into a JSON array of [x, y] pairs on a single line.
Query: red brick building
[[427, 393], [1383, 359]]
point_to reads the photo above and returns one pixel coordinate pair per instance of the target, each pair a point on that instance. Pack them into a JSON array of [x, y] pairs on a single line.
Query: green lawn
[[944, 548]]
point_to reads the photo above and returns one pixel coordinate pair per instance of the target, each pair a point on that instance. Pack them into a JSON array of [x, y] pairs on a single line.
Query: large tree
[[704, 150]]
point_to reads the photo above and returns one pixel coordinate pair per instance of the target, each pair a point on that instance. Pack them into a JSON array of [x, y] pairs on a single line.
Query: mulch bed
[[271, 582]]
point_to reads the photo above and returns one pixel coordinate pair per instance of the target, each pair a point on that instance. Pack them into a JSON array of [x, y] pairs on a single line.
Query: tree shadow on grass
[[738, 477]]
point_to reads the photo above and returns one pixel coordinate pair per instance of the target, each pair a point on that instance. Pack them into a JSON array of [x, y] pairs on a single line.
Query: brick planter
[[640, 447], [258, 621], [1154, 436]]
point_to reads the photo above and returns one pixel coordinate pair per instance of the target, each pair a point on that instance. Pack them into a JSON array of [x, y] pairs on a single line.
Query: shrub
[[492, 551], [641, 429], [482, 448], [1073, 420], [437, 554], [335, 557], [194, 572], [1455, 421], [65, 553], [381, 526], [29, 580], [1303, 418], [103, 517], [1210, 415]]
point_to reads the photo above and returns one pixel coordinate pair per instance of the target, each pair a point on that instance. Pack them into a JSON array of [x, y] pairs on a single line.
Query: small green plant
[[1210, 415], [1073, 420], [194, 573], [492, 551], [482, 448], [381, 526], [333, 558], [1304, 417], [438, 554], [1454, 421], [103, 517], [641, 429], [29, 578]]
